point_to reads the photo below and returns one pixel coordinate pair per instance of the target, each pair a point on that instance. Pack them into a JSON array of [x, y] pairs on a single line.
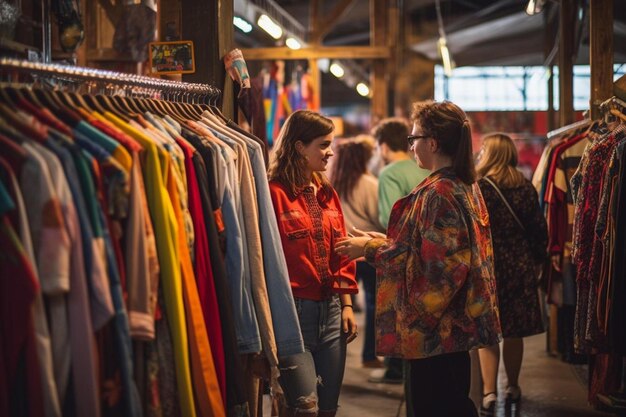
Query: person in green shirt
[[401, 173], [398, 178]]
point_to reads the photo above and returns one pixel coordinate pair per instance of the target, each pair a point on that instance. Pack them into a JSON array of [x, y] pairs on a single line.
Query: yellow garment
[[179, 173], [120, 154], [166, 231], [207, 389]]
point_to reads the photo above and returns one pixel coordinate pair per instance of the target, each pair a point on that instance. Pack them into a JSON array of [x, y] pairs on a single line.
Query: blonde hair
[[499, 161], [287, 165]]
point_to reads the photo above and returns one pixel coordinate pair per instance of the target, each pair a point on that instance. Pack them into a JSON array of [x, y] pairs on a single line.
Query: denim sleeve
[[247, 329], [284, 317]]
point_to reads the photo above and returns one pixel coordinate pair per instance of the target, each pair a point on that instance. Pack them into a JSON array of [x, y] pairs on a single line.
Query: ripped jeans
[[315, 376]]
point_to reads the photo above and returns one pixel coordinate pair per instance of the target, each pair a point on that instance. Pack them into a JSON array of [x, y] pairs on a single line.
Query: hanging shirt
[[247, 329], [284, 317], [51, 404], [20, 385], [81, 330], [166, 232], [141, 258], [252, 240]]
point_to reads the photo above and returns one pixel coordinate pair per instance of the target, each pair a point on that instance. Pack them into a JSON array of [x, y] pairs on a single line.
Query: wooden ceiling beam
[[318, 33], [317, 52]]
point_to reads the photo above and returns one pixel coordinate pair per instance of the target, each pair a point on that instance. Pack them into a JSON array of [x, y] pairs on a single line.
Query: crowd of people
[[446, 252]]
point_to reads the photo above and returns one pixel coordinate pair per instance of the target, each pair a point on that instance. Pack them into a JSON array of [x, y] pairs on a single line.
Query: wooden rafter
[[317, 33], [317, 52], [600, 53]]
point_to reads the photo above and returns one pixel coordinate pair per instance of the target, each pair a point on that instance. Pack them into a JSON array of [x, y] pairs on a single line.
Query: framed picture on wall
[[172, 57]]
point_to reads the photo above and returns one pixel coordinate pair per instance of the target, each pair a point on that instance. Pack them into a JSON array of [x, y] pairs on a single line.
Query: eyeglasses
[[412, 138]]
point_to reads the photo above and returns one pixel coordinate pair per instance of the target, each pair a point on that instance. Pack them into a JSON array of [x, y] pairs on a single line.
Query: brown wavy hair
[[287, 165], [351, 158], [393, 131], [448, 125], [498, 160]]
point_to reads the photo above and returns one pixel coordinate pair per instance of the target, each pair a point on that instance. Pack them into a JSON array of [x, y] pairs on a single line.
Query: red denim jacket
[[309, 225]]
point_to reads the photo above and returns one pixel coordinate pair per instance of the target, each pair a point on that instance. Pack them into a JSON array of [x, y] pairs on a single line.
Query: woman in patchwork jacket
[[436, 296]]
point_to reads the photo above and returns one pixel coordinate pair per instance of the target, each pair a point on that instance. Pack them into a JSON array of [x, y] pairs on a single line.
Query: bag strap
[[506, 203]]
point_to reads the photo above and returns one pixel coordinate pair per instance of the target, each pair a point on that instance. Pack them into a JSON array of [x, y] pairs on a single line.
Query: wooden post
[[378, 37], [567, 21], [395, 23], [550, 39], [600, 53], [315, 40], [206, 21]]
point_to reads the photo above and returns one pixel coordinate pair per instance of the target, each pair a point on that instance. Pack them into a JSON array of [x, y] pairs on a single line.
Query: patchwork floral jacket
[[435, 275]]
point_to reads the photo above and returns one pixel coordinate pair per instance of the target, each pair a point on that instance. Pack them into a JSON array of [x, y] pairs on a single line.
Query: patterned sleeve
[[441, 259]]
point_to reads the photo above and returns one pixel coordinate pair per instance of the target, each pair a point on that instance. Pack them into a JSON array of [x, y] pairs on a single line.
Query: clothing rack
[[568, 127], [176, 90], [612, 101]]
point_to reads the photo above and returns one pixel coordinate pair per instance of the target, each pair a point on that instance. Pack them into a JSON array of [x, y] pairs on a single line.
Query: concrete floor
[[550, 388]]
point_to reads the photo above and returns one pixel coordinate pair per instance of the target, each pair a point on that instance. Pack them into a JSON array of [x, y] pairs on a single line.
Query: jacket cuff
[[371, 249]]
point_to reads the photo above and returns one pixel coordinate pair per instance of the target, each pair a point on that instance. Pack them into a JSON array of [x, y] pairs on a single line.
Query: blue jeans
[[367, 273], [312, 380]]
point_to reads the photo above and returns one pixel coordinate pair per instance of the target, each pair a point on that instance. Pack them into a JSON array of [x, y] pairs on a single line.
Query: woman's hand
[[360, 233], [348, 323], [352, 247]]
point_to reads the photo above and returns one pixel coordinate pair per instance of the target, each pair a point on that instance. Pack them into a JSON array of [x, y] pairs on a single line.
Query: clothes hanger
[[134, 102], [215, 108], [193, 107], [150, 105], [27, 94], [141, 104], [110, 106], [184, 106], [618, 114], [76, 101], [127, 100], [28, 130], [172, 108], [124, 105], [10, 133], [91, 101], [10, 95], [47, 98]]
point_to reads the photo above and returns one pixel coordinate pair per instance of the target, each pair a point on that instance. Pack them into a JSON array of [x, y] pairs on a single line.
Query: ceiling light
[[442, 45], [534, 7], [292, 43], [270, 26], [323, 64], [445, 56], [336, 70], [242, 25], [363, 89]]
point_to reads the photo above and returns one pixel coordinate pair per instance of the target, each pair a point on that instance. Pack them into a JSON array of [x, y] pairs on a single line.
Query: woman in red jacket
[[310, 221]]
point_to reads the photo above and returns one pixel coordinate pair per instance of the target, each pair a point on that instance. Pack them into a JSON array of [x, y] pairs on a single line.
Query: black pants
[[439, 386]]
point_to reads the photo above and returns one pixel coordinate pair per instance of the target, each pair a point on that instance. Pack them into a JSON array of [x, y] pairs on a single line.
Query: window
[[510, 88]]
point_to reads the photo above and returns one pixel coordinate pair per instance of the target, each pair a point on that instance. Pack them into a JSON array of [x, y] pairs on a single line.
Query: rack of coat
[[589, 238], [557, 165], [140, 274]]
